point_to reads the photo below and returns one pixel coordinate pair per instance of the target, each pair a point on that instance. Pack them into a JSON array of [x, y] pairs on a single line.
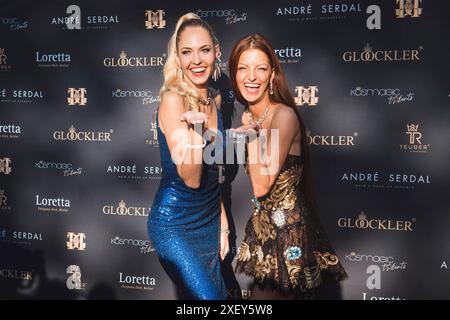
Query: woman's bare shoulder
[[172, 102]]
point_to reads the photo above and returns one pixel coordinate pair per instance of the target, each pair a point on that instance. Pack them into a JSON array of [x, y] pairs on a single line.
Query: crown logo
[[367, 48], [412, 127], [362, 216]]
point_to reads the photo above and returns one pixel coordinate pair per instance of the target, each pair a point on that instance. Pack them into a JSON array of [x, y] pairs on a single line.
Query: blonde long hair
[[173, 75]]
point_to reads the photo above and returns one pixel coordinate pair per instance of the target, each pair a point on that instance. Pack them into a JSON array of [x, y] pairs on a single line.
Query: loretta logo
[[373, 297], [46, 204], [155, 19], [50, 60], [289, 55], [10, 131], [136, 282]]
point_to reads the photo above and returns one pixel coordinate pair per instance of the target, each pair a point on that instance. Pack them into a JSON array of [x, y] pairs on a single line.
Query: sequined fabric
[[184, 226], [284, 245]]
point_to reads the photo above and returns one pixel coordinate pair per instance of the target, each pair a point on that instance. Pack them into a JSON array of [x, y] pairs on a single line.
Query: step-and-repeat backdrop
[[79, 157]]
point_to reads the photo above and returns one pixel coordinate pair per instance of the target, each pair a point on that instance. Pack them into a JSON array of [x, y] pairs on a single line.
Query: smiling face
[[196, 55], [253, 76]]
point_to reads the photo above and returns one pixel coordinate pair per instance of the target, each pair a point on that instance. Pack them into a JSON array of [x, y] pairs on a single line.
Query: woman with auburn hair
[[187, 223], [285, 246]]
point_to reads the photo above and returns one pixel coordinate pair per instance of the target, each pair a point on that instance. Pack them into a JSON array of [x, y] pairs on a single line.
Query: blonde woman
[[187, 223]]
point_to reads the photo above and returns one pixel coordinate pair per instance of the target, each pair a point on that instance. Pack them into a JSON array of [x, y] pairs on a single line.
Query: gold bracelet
[[227, 231]]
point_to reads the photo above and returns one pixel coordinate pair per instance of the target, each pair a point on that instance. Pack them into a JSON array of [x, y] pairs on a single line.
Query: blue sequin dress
[[184, 226]]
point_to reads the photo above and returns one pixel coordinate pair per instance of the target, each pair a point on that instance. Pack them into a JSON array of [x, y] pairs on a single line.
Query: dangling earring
[[180, 74], [217, 72], [271, 87]]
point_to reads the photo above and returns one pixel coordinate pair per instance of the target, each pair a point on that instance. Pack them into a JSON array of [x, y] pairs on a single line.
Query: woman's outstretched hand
[[193, 117], [246, 129]]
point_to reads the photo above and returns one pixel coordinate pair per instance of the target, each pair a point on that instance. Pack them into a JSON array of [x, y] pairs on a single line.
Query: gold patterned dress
[[284, 245]]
